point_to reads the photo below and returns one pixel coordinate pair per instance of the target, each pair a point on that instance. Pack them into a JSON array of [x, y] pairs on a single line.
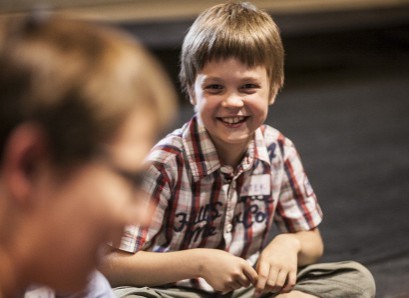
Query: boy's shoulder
[[269, 132], [274, 139], [168, 147], [273, 135]]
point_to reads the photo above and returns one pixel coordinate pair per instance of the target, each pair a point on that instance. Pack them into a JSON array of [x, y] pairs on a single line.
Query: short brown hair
[[76, 79], [233, 30]]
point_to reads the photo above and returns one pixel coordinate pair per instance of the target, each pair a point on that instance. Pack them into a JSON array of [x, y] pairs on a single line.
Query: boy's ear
[[24, 151], [192, 97], [272, 96]]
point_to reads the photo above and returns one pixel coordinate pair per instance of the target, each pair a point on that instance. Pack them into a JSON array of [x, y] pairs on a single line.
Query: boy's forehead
[[241, 60], [218, 62]]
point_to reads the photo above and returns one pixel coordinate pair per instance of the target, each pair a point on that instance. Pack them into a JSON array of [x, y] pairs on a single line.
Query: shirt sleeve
[[297, 207], [156, 186]]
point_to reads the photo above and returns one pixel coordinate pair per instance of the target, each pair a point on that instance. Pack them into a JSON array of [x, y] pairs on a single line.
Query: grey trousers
[[326, 280]]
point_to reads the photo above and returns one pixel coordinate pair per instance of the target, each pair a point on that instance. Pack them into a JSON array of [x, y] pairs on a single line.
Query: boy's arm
[[278, 262], [223, 271]]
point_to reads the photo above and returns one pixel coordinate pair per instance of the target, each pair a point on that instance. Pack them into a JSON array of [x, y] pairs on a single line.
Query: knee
[[363, 277]]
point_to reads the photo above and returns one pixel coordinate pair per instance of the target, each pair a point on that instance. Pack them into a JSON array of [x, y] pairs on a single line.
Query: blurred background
[[345, 104]]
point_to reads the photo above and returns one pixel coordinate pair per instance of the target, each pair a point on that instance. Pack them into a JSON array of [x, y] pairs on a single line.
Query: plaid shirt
[[201, 203]]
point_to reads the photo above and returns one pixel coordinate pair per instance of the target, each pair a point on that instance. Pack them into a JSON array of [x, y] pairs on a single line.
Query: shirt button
[[229, 227]]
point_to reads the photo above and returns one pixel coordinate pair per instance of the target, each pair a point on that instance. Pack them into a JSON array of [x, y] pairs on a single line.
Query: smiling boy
[[223, 180], [231, 102]]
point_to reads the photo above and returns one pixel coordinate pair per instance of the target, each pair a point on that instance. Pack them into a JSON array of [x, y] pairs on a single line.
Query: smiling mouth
[[233, 120]]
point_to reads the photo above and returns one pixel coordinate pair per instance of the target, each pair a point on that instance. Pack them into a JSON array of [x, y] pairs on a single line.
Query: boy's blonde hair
[[233, 30], [78, 81]]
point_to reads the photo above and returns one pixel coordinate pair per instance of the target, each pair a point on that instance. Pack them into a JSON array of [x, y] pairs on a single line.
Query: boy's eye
[[249, 86], [214, 88]]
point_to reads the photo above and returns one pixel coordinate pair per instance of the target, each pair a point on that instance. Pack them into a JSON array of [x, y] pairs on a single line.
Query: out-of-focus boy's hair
[[78, 80], [233, 30]]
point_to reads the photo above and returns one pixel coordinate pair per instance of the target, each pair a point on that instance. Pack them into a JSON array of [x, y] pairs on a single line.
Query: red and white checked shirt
[[201, 203]]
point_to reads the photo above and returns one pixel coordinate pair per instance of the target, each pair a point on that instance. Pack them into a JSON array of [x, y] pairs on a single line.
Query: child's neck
[[231, 155], [8, 279]]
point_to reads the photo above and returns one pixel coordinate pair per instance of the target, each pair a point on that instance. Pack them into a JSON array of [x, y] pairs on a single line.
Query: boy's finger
[[244, 281], [262, 279], [292, 279], [281, 279], [271, 283], [251, 275], [233, 286]]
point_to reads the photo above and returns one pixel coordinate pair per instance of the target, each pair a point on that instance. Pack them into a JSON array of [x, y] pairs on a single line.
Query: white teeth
[[233, 120]]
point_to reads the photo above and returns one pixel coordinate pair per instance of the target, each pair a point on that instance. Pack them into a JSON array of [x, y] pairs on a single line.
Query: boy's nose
[[233, 101]]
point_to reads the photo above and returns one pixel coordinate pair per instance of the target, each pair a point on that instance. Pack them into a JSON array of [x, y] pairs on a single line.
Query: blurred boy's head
[[80, 106], [233, 30], [77, 81]]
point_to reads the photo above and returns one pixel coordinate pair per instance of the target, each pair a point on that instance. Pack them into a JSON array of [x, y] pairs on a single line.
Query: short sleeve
[[155, 185], [297, 207]]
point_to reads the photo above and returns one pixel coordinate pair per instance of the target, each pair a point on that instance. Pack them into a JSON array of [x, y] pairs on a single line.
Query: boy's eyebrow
[[218, 79], [251, 79], [211, 80]]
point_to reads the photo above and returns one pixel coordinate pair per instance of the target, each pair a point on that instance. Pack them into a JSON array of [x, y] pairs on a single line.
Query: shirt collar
[[202, 155]]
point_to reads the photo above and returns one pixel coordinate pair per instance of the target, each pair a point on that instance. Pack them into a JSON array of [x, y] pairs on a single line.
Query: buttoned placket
[[229, 188]]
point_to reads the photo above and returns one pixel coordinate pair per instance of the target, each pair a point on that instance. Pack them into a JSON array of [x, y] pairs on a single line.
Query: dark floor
[[346, 107], [348, 112], [351, 125]]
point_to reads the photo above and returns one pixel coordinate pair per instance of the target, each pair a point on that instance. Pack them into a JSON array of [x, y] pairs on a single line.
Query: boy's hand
[[225, 272], [277, 265]]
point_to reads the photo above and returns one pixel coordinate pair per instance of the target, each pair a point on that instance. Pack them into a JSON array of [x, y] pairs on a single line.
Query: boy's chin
[[238, 139]]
